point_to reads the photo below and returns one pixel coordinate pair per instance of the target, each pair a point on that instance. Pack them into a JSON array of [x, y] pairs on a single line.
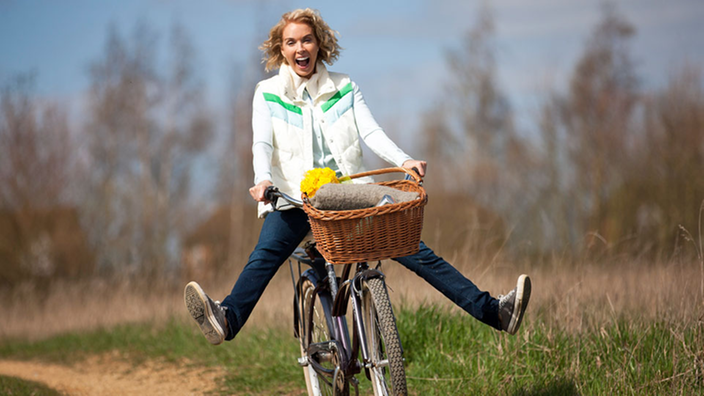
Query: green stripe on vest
[[288, 106], [335, 98]]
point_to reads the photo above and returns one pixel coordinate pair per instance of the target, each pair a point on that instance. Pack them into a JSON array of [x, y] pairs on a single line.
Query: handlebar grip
[[270, 194]]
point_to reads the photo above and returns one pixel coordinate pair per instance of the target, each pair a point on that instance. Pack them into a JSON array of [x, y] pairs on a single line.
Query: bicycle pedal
[[302, 361]]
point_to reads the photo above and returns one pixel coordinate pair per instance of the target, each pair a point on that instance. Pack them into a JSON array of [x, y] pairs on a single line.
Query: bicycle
[[330, 360]]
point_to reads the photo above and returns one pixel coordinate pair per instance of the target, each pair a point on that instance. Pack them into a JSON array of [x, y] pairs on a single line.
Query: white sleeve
[[372, 134], [262, 147]]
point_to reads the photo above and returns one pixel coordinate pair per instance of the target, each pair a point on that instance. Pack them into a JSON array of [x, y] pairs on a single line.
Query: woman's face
[[300, 48]]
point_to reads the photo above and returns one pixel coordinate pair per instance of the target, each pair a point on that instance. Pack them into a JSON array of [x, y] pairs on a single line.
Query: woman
[[306, 117]]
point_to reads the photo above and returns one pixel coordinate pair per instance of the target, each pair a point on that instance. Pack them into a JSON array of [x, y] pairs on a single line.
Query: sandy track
[[108, 375]]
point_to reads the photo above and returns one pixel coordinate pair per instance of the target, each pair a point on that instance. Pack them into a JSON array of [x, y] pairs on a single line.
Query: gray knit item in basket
[[356, 196]]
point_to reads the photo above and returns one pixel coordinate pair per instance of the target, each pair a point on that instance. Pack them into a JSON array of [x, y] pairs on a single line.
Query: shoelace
[[504, 298], [223, 309]]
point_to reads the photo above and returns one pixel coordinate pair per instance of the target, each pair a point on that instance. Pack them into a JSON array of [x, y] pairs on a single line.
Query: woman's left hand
[[419, 165]]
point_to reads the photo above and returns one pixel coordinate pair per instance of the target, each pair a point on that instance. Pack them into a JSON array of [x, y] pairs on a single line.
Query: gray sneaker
[[209, 315], [513, 305]]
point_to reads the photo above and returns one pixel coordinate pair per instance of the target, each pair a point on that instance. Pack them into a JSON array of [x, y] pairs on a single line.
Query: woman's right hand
[[257, 192]]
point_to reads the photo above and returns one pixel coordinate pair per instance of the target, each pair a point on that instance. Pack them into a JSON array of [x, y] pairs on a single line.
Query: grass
[[454, 354], [17, 387], [446, 353]]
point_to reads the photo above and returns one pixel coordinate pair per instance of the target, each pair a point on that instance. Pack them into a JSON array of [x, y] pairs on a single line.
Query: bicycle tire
[[382, 340], [314, 327]]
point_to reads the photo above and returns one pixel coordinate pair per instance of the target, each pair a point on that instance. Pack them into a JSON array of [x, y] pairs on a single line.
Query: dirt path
[[108, 375]]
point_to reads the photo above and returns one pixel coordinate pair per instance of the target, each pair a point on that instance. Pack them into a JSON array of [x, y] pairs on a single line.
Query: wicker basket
[[378, 233]]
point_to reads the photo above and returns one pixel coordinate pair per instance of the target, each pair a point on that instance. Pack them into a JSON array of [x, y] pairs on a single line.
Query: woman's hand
[[257, 192], [420, 165]]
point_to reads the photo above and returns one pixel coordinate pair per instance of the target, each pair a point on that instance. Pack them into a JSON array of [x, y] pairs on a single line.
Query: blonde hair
[[328, 51]]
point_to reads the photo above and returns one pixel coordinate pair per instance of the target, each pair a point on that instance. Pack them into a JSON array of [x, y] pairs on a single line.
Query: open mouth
[[303, 62]]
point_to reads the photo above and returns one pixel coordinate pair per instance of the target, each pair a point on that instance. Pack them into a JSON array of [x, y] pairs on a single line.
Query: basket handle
[[413, 174]]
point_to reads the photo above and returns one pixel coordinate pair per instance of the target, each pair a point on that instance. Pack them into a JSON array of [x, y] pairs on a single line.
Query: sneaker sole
[[197, 305], [523, 289]]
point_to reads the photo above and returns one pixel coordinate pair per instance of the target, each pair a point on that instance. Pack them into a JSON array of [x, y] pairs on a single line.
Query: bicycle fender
[[370, 273], [343, 295]]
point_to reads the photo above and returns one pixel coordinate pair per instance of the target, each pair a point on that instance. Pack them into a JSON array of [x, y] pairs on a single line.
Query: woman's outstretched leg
[[280, 235], [503, 313]]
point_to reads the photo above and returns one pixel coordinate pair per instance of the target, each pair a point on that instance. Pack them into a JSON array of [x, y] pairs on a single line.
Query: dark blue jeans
[[283, 231]]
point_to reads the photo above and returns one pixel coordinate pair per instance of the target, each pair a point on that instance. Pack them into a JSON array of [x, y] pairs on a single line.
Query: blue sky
[[394, 50]]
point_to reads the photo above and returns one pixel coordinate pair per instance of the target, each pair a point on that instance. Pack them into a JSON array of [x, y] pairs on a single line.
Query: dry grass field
[[572, 298]]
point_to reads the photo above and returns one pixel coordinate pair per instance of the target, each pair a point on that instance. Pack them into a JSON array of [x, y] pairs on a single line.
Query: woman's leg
[[281, 233], [450, 282]]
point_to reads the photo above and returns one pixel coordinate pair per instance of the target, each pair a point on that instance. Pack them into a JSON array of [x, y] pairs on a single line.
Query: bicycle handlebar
[[273, 194]]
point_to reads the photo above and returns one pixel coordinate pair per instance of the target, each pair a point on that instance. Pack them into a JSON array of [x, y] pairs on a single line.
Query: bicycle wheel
[[315, 328], [387, 372]]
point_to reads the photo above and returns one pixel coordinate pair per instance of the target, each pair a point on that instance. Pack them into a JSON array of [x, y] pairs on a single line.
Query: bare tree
[[483, 113], [597, 114], [441, 148], [147, 123], [496, 158], [665, 189], [35, 144], [475, 134], [39, 233], [550, 215]]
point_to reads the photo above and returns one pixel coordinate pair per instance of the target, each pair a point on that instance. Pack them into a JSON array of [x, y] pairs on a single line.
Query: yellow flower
[[315, 178]]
